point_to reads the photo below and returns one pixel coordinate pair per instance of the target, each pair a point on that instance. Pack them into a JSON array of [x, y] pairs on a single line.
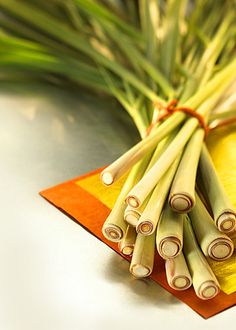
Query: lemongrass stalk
[[161, 147], [208, 60], [141, 190], [215, 86], [169, 237], [143, 256], [205, 283], [209, 57], [182, 193], [133, 155], [218, 116], [131, 214], [177, 273], [214, 244], [148, 220], [223, 211], [115, 227], [126, 245]]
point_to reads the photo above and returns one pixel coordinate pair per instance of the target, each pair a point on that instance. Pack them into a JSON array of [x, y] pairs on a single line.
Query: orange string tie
[[170, 108]]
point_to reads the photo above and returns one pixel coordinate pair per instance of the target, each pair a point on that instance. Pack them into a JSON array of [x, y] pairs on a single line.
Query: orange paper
[[91, 213]]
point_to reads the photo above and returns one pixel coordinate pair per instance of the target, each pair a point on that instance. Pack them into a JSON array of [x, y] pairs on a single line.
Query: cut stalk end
[[208, 290], [140, 271], [170, 248], [112, 233], [181, 203], [181, 283], [226, 222], [133, 201], [107, 178], [145, 228], [128, 250], [221, 249]]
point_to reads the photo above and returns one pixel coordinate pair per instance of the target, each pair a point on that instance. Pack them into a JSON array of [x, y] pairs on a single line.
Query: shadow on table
[[117, 271]]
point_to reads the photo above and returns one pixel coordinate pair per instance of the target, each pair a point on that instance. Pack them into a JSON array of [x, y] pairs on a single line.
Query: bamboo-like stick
[[214, 243], [182, 193], [205, 283], [143, 256], [169, 238], [126, 245], [223, 211], [115, 227], [177, 273]]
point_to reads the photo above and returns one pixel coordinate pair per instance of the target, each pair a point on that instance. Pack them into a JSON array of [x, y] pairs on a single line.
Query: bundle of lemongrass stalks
[[172, 67]]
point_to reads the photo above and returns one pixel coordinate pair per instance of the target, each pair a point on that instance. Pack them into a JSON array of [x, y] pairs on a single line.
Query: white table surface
[[54, 275]]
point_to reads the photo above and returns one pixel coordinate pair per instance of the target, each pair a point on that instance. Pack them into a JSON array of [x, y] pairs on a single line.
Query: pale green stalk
[[169, 237], [182, 193], [150, 217], [143, 256], [115, 226], [213, 243], [161, 147], [126, 245], [205, 283], [177, 273], [132, 214], [223, 211], [205, 65]]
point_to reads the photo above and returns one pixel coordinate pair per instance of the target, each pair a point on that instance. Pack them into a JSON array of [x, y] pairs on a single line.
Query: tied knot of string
[[166, 110]]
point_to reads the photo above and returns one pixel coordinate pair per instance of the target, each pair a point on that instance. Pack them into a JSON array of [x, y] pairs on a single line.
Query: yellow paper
[[106, 194], [222, 146], [225, 272]]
